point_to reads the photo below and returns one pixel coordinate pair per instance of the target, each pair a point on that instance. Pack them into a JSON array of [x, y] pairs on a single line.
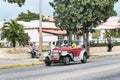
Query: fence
[[92, 43], [103, 42]]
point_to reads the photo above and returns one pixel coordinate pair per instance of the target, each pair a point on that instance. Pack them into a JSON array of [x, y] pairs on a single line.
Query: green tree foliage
[[82, 14], [115, 33], [19, 2], [14, 32], [28, 16]]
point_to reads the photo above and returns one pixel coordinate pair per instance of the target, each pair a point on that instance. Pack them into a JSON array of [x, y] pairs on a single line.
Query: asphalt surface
[[105, 68], [5, 64]]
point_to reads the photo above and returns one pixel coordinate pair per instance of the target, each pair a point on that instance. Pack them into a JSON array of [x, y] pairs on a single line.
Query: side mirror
[[49, 52]]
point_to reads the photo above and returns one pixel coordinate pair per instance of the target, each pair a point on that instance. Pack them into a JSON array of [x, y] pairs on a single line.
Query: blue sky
[[9, 11]]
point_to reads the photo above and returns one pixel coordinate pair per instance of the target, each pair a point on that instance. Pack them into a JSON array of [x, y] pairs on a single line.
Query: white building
[[49, 31]]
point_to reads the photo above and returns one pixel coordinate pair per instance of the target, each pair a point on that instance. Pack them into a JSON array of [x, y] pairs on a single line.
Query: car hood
[[63, 48]]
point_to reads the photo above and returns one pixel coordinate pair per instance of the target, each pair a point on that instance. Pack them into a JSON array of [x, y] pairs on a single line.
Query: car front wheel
[[47, 61]]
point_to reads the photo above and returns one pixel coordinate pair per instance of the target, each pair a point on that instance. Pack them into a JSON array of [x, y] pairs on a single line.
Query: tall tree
[[82, 14], [19, 2], [14, 32]]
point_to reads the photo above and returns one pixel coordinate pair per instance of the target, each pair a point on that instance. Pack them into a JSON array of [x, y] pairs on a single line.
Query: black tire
[[47, 61], [66, 60], [84, 59]]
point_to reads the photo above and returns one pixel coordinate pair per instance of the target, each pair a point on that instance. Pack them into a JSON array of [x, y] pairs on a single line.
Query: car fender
[[46, 56], [64, 53], [70, 54], [82, 53]]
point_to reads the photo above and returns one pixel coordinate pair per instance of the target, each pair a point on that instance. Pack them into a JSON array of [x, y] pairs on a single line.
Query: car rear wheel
[[47, 61], [84, 59], [66, 60]]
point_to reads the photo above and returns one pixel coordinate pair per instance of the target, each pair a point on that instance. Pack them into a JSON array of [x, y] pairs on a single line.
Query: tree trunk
[[14, 44], [86, 39], [87, 43]]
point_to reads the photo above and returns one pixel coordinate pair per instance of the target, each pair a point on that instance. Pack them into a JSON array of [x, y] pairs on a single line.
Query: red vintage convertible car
[[65, 55]]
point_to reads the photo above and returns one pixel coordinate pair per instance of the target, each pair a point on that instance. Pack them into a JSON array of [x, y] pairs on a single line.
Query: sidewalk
[[8, 63], [106, 53], [103, 54]]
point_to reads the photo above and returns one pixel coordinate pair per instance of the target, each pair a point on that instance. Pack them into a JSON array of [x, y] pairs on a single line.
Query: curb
[[96, 56], [21, 65]]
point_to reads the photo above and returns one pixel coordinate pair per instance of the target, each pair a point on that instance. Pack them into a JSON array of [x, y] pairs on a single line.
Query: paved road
[[107, 68]]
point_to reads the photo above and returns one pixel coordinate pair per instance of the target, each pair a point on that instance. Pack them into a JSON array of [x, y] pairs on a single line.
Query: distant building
[[112, 23], [49, 31], [2, 41], [52, 33]]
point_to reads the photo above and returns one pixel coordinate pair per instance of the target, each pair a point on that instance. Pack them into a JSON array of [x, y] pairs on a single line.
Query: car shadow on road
[[71, 63]]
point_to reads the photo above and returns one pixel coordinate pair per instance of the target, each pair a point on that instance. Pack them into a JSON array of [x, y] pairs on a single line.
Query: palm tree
[[14, 32]]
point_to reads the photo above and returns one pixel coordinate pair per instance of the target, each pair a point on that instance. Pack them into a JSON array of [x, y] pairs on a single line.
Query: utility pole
[[40, 29]]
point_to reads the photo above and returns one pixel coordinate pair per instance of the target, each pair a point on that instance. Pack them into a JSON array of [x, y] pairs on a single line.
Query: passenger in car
[[65, 43], [52, 46], [73, 44]]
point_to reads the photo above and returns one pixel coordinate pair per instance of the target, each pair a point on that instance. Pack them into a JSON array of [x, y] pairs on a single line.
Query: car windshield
[[63, 43]]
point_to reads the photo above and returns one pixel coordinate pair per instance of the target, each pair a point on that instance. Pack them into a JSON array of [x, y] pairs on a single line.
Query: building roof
[[111, 23], [54, 31], [36, 23], [48, 27]]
